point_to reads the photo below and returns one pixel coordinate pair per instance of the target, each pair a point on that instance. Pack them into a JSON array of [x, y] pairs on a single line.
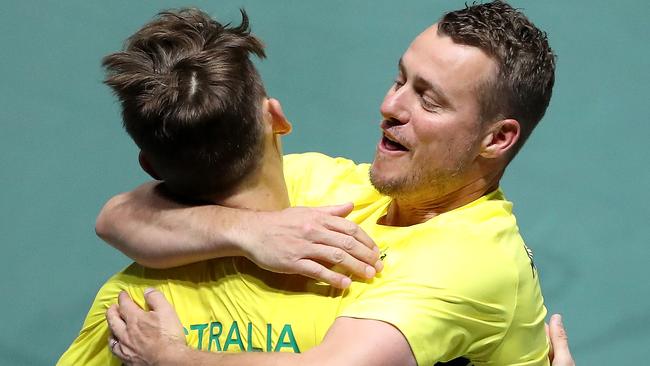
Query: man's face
[[431, 128]]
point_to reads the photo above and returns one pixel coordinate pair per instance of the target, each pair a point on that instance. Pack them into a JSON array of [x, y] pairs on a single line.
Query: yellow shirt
[[225, 304], [460, 284]]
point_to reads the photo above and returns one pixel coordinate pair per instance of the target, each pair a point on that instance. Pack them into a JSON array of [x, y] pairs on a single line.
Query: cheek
[[428, 138], [440, 148]]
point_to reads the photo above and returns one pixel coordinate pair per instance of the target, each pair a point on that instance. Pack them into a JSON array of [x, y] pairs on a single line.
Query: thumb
[[559, 339], [341, 210], [156, 300]]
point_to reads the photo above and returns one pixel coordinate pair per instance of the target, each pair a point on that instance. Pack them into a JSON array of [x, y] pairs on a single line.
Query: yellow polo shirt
[[458, 285]]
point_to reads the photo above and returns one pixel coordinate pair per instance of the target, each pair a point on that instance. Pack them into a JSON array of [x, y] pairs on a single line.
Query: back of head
[[523, 84], [191, 100]]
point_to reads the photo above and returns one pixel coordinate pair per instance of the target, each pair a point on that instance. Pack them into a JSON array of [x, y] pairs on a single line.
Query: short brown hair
[[523, 84], [191, 99]]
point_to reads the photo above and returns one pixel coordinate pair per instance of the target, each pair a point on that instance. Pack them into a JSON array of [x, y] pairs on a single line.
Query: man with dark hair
[[522, 85], [194, 104], [182, 82], [458, 283]]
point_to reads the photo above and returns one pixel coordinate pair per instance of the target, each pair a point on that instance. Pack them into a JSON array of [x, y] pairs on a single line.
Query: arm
[[160, 233], [155, 337]]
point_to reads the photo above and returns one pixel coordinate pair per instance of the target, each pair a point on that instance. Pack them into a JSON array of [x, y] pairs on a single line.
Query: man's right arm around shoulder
[[157, 232], [155, 337]]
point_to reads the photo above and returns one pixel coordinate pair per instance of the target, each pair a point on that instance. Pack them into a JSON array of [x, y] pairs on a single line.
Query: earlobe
[[501, 138], [146, 166]]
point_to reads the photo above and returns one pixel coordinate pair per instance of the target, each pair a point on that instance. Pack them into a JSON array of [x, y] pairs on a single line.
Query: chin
[[389, 186]]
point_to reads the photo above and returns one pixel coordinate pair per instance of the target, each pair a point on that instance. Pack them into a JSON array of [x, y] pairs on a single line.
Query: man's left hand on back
[[152, 337]]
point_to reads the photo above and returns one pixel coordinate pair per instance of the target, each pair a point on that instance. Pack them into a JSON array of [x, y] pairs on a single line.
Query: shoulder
[[317, 179], [313, 163]]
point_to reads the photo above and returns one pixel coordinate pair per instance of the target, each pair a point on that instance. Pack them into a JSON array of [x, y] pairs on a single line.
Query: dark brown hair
[[523, 84], [191, 99]]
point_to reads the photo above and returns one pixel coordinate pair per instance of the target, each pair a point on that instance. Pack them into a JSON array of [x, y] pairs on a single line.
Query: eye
[[398, 83], [428, 104]]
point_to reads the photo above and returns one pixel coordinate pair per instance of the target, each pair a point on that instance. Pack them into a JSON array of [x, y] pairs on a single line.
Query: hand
[[305, 241], [141, 337], [560, 355]]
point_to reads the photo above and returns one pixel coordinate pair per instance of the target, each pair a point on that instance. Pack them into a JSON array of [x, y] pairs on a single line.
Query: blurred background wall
[[580, 186]]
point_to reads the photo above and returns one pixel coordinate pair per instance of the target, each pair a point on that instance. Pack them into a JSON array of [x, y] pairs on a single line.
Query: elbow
[[105, 222], [102, 227], [114, 226]]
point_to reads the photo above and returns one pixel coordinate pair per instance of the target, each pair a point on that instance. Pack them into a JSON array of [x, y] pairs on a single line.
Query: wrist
[[175, 355], [234, 238]]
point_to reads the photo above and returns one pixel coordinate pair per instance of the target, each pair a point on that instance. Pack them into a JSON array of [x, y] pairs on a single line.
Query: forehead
[[456, 68]]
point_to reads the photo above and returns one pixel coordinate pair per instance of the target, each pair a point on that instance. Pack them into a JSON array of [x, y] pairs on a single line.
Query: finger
[[348, 227], [127, 308], [319, 272], [112, 343], [118, 351], [345, 250], [343, 262], [348, 236], [116, 323], [341, 210], [560, 341], [156, 300]]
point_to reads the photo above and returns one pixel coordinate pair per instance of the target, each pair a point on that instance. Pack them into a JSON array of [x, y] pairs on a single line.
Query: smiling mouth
[[392, 145]]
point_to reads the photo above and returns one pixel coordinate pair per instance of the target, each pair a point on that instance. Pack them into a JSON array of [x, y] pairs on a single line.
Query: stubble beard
[[431, 183]]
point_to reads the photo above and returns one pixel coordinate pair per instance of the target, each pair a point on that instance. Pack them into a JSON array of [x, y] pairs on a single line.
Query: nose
[[394, 106]]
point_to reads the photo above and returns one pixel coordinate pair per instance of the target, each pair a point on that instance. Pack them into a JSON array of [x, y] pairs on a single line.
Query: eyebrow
[[426, 85]]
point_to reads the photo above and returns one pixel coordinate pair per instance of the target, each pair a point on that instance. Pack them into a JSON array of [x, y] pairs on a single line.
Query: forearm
[[349, 342], [157, 232], [202, 358]]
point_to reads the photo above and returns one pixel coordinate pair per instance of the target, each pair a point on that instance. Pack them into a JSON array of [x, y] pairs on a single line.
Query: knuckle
[[291, 256], [348, 244], [352, 229], [314, 271], [338, 255], [308, 228], [317, 217]]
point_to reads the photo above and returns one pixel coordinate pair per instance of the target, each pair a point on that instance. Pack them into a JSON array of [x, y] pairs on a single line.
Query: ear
[[500, 139], [146, 166], [279, 123]]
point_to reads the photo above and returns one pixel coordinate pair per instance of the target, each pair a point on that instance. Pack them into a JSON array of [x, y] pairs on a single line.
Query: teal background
[[580, 186]]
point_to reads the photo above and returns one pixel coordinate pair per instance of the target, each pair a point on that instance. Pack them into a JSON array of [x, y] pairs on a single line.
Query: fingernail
[[379, 266], [148, 290], [370, 272], [345, 282]]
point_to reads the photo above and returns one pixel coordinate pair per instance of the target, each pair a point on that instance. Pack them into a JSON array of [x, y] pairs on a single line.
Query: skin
[[453, 158], [560, 353], [158, 331], [314, 242]]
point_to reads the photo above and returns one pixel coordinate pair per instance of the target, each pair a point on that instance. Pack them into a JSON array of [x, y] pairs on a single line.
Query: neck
[[407, 211], [264, 190]]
